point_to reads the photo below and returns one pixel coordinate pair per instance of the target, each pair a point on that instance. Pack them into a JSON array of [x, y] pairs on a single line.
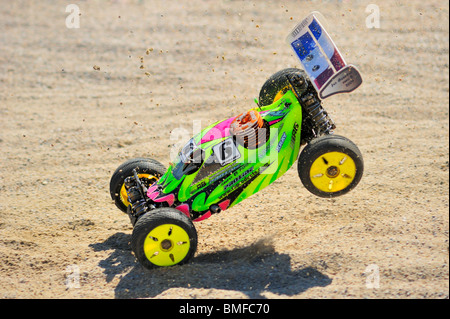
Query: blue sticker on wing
[[304, 45], [315, 29], [326, 44], [312, 58]]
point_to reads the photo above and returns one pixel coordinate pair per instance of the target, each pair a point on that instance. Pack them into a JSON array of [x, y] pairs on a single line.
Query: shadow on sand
[[251, 270]]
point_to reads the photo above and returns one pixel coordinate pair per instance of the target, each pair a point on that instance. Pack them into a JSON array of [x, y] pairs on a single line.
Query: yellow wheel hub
[[332, 172], [166, 245], [123, 191]]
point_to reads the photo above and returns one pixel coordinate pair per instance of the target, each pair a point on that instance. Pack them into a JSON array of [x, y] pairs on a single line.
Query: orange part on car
[[248, 128]]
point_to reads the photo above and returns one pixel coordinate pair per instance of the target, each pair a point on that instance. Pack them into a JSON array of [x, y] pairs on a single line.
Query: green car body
[[215, 169]]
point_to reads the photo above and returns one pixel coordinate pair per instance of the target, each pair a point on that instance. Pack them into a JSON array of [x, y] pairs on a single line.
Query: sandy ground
[[66, 126]]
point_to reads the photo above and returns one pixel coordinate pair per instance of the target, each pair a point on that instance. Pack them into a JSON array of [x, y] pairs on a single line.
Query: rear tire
[[277, 85], [164, 237], [149, 171], [330, 166]]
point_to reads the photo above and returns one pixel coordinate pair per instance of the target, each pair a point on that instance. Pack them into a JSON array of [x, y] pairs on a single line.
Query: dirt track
[[65, 127]]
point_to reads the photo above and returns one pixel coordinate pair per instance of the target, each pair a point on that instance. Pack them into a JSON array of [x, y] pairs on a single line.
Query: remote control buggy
[[232, 159]]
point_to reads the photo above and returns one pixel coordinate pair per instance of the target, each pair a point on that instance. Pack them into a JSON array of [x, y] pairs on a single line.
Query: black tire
[[332, 174], [278, 83], [143, 166], [164, 237]]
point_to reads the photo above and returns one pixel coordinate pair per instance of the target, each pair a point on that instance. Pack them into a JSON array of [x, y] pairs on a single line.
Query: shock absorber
[[322, 122], [135, 196]]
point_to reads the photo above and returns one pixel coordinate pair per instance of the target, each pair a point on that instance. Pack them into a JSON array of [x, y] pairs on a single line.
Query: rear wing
[[321, 59]]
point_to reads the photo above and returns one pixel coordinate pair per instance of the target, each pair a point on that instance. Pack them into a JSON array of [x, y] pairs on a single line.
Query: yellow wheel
[[149, 171], [332, 171], [330, 166], [163, 237], [166, 245]]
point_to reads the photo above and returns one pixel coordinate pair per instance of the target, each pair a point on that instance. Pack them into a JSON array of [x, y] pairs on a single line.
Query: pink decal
[[275, 121], [169, 199], [152, 189], [184, 208], [224, 204], [152, 192], [203, 217], [222, 129]]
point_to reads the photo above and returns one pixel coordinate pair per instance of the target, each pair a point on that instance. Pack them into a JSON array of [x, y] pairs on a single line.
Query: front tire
[[330, 166], [164, 237]]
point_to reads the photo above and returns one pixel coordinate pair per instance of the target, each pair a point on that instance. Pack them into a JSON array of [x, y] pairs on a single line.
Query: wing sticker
[[321, 59]]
